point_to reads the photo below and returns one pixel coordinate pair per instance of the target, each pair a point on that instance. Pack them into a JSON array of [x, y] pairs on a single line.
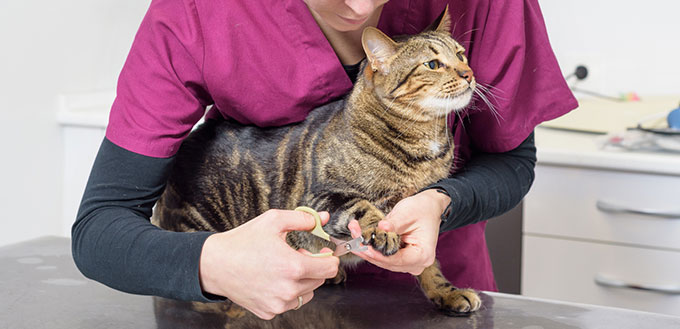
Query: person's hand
[[254, 267], [417, 220]]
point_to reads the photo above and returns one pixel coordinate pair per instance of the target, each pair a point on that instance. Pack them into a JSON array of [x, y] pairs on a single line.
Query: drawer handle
[[616, 283], [610, 207]]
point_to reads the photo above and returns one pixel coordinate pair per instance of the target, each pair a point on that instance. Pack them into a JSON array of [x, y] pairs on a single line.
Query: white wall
[[629, 46], [48, 48]]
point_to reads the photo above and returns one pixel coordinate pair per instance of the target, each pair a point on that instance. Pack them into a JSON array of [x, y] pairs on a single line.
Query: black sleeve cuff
[[489, 185]]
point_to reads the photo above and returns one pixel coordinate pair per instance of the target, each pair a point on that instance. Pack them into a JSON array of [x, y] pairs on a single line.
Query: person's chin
[[344, 25]]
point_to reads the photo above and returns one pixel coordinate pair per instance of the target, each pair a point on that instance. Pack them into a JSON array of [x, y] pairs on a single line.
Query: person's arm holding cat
[[161, 95]]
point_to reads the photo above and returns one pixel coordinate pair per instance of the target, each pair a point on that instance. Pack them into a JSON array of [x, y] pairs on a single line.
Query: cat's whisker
[[445, 117], [384, 110], [436, 126], [491, 90], [490, 86], [412, 120], [484, 91], [456, 23], [490, 105], [460, 37], [442, 114], [449, 130]]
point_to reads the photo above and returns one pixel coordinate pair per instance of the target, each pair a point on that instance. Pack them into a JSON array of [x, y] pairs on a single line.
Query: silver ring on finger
[[299, 304]]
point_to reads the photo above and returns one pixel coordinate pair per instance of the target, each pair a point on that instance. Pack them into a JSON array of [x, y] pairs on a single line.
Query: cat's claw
[[387, 243]]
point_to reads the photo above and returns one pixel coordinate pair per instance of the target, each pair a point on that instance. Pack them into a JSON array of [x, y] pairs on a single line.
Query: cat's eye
[[433, 64], [460, 56]]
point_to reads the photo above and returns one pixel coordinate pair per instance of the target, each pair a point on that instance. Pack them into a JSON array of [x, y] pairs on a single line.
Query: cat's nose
[[465, 74]]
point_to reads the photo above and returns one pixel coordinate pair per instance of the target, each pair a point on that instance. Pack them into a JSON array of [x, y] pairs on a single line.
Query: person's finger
[[309, 285], [290, 220], [354, 228], [386, 226], [305, 252], [325, 217], [309, 253], [264, 315], [403, 218], [319, 267], [370, 255], [305, 299], [325, 250], [406, 260]]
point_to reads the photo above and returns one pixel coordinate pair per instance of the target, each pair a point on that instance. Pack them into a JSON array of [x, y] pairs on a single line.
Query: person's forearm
[[113, 241], [127, 253], [489, 185]]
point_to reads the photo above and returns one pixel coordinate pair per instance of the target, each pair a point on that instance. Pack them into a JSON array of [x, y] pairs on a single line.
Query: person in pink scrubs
[[269, 63]]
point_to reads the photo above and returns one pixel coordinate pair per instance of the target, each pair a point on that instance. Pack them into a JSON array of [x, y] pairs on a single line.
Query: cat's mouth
[[446, 105]]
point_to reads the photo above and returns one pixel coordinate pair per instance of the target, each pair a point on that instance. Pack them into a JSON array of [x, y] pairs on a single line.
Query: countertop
[[43, 289], [582, 149], [576, 139]]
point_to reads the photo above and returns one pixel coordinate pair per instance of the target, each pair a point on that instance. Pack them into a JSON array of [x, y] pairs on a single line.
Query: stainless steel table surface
[[41, 288]]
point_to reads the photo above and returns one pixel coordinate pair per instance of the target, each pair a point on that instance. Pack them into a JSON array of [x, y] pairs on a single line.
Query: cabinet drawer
[[564, 202], [567, 270]]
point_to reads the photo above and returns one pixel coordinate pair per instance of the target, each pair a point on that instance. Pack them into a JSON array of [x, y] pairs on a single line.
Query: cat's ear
[[378, 47], [442, 23]]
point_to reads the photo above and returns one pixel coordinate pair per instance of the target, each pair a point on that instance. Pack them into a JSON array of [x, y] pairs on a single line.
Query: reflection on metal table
[[41, 288]]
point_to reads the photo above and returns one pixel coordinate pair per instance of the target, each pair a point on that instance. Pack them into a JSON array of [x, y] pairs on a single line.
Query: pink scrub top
[[267, 63]]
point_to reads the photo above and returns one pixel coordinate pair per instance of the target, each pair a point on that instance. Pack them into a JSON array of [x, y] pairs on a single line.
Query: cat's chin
[[443, 106]]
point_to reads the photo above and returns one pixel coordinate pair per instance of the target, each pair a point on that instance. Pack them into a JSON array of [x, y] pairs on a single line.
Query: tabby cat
[[355, 158]]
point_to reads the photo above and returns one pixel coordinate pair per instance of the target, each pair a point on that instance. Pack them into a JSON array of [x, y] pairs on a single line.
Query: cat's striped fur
[[354, 158]]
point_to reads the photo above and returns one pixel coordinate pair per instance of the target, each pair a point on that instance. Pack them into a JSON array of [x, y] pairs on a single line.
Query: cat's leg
[[388, 243], [449, 299]]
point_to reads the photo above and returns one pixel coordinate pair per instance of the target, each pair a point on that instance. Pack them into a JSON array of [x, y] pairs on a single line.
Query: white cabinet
[[602, 227], [581, 271], [605, 205]]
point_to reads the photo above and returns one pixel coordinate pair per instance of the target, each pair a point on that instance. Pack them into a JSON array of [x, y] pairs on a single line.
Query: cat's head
[[427, 72]]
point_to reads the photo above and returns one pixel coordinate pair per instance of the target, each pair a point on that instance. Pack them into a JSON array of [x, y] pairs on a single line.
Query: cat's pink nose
[[465, 74]]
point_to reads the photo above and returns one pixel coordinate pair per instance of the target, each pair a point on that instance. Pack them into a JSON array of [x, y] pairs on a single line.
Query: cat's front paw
[[387, 243], [458, 302]]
